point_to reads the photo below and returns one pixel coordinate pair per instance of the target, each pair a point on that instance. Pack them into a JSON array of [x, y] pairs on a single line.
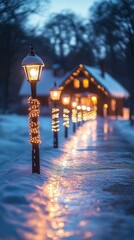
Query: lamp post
[[66, 100], [32, 65], [55, 96]]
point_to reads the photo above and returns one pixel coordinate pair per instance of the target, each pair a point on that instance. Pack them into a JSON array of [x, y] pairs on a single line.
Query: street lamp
[[32, 65], [66, 100], [55, 96]]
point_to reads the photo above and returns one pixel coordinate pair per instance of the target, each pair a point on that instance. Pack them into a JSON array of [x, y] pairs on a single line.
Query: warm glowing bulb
[[55, 94], [105, 105], [74, 104], [79, 107], [83, 107], [34, 73]]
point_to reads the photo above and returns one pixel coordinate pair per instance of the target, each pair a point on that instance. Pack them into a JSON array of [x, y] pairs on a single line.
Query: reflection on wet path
[[74, 202]]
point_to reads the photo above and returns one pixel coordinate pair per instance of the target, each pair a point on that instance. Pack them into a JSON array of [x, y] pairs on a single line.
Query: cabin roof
[[113, 87]]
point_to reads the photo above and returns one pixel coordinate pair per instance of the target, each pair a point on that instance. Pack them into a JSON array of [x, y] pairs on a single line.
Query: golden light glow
[[92, 79], [74, 104], [94, 100], [76, 83], [85, 83], [34, 125], [105, 105], [78, 107], [61, 88], [66, 99], [84, 107], [88, 108], [33, 72], [55, 94], [83, 100]]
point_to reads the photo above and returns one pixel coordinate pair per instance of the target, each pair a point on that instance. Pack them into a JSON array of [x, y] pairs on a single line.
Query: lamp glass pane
[[55, 94], [33, 72]]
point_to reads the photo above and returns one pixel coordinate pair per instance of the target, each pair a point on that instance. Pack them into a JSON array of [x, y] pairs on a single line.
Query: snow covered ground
[[31, 207]]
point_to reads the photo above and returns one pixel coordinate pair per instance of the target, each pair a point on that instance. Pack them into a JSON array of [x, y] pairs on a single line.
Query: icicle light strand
[[55, 121], [33, 121]]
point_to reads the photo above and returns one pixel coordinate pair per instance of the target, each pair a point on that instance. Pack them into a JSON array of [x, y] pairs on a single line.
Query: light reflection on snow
[[68, 203]]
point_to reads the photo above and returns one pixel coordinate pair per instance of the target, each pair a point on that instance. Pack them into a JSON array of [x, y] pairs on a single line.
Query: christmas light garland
[[66, 117], [74, 115], [33, 121], [79, 116], [55, 121]]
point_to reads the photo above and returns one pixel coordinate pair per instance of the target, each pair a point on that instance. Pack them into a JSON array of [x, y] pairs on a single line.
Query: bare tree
[[14, 15]]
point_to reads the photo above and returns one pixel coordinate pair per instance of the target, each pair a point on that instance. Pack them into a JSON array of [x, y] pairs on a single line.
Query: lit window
[[76, 83], [113, 105], [94, 100], [85, 83]]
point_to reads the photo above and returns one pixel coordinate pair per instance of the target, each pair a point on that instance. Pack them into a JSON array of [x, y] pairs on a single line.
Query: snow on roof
[[47, 81], [44, 85], [114, 88]]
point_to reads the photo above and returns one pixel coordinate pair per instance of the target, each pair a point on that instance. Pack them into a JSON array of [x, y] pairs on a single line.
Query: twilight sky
[[79, 7]]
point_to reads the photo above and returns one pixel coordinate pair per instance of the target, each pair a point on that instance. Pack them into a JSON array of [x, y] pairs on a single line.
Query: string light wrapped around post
[[74, 115], [32, 65], [55, 96], [66, 100], [55, 120], [33, 121]]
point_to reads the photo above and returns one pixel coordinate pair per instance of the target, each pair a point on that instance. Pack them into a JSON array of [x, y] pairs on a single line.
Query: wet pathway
[[90, 189], [86, 190]]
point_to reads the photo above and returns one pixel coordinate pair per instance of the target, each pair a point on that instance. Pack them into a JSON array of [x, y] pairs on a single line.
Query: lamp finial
[[32, 52]]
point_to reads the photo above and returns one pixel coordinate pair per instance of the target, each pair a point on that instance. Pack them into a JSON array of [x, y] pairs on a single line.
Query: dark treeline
[[106, 36]]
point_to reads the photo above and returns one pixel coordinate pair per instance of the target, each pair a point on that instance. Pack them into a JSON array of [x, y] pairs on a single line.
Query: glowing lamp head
[[32, 65], [66, 99], [74, 104], [55, 93]]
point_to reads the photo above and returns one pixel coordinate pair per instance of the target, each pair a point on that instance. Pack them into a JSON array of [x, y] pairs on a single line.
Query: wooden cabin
[[86, 81], [98, 88]]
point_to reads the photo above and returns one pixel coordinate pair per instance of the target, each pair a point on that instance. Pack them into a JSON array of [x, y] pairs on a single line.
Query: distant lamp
[[32, 65], [66, 100], [55, 93], [85, 83]]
